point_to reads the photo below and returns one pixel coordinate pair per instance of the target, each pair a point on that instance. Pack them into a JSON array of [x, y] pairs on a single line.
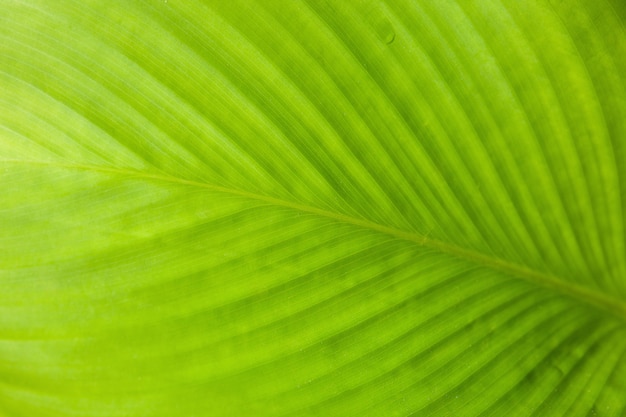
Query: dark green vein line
[[535, 134], [574, 371], [437, 367], [523, 362], [496, 361], [480, 102], [512, 399], [570, 128], [581, 380], [380, 128], [600, 85], [510, 309], [481, 124]]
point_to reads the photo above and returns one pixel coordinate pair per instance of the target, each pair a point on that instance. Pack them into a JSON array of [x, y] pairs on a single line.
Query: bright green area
[[284, 208]]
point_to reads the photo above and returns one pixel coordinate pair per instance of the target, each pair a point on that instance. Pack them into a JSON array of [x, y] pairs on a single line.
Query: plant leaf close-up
[[283, 208]]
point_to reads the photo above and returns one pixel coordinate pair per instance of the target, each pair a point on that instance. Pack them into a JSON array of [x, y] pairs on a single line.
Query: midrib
[[600, 301]]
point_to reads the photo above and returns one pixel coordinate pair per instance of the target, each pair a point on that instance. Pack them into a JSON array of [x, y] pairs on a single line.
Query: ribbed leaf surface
[[312, 208]]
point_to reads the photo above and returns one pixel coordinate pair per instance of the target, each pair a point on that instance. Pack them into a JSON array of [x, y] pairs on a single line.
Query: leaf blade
[[304, 213]]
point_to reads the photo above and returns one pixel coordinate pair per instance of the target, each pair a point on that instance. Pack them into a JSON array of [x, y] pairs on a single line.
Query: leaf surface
[[312, 208]]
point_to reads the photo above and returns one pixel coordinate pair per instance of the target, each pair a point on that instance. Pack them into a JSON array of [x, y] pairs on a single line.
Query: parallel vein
[[603, 302]]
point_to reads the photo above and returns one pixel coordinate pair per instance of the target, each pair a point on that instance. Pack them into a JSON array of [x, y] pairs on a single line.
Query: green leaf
[[312, 208]]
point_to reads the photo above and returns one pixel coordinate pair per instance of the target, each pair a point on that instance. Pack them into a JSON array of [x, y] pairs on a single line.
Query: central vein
[[599, 300]]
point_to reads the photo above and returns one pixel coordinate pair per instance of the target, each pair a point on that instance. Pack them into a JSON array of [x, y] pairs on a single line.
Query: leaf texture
[[312, 208]]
